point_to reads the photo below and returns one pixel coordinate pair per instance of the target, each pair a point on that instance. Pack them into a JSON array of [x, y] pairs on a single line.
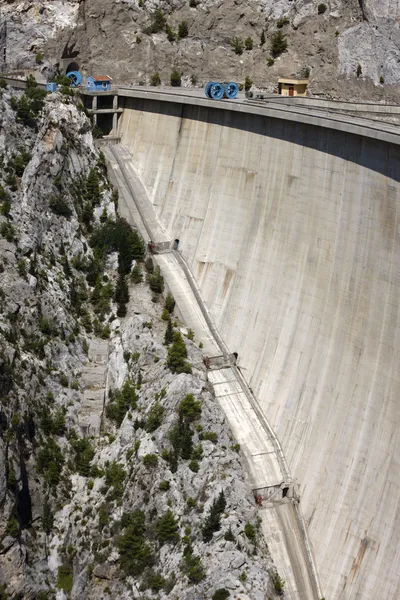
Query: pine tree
[[93, 188], [169, 303], [262, 38], [167, 528], [169, 334], [177, 353], [47, 517], [137, 275], [212, 522]]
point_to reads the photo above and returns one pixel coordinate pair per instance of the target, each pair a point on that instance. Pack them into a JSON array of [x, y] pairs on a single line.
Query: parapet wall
[[292, 232]]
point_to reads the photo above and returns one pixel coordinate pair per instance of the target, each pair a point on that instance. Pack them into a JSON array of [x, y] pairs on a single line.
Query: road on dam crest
[[291, 231]]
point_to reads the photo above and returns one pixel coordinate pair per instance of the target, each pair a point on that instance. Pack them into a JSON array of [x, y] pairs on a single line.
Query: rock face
[[331, 41], [119, 478]]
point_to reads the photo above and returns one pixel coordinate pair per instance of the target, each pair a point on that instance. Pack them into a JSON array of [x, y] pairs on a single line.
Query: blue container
[[51, 87]]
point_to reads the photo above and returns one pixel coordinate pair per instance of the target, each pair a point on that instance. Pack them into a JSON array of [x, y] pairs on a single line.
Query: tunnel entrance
[[176, 244], [73, 66]]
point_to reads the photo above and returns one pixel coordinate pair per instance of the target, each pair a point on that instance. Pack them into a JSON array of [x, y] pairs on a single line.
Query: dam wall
[[292, 233]]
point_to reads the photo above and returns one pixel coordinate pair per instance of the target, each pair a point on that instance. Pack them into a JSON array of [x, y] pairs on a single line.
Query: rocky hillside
[[119, 477], [349, 47]]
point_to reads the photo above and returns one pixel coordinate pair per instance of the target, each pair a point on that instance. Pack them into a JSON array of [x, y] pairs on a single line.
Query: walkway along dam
[[289, 222]]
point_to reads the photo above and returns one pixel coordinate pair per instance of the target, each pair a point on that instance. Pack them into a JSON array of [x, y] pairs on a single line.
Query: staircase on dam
[[267, 471]]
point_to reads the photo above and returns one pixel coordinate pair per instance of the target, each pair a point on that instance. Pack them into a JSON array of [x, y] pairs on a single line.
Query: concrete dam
[[291, 227]]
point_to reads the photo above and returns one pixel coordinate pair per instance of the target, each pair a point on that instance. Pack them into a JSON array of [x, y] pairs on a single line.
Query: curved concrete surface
[[266, 469], [292, 232]]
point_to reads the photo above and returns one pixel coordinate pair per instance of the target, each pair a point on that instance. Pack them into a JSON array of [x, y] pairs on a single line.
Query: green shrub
[[278, 43], [169, 333], [21, 268], [158, 22], [65, 578], [135, 553], [136, 274], [220, 594], [63, 379], [250, 531], [322, 9], [359, 70], [278, 582], [122, 401], [118, 236], [167, 528], [115, 476], [176, 79], [84, 454], [155, 79], [381, 79], [155, 417], [50, 461], [192, 567], [164, 486], [193, 3], [177, 353], [237, 45], [262, 38], [183, 30], [248, 43], [7, 231], [281, 22], [270, 62], [156, 281], [229, 537], [194, 466], [5, 202], [169, 304], [180, 437], [20, 162], [12, 528], [248, 83], [212, 522], [150, 461], [211, 436], [60, 207], [3, 84], [153, 580], [171, 35], [104, 516], [47, 517], [190, 408]]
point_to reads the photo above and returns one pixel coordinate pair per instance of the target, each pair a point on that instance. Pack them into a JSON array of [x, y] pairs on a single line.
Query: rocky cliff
[[119, 477], [350, 48]]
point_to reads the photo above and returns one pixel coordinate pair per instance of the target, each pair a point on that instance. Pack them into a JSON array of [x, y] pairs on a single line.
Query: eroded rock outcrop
[[119, 477]]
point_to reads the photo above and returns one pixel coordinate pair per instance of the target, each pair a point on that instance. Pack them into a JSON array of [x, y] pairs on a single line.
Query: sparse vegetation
[[322, 8], [177, 352], [278, 43], [248, 83], [176, 79], [167, 528], [359, 70], [183, 30], [212, 522], [155, 79], [248, 43], [237, 45], [282, 22]]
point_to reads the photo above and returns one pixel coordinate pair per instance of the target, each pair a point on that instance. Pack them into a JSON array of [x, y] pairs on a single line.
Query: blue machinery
[[75, 77], [217, 91]]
